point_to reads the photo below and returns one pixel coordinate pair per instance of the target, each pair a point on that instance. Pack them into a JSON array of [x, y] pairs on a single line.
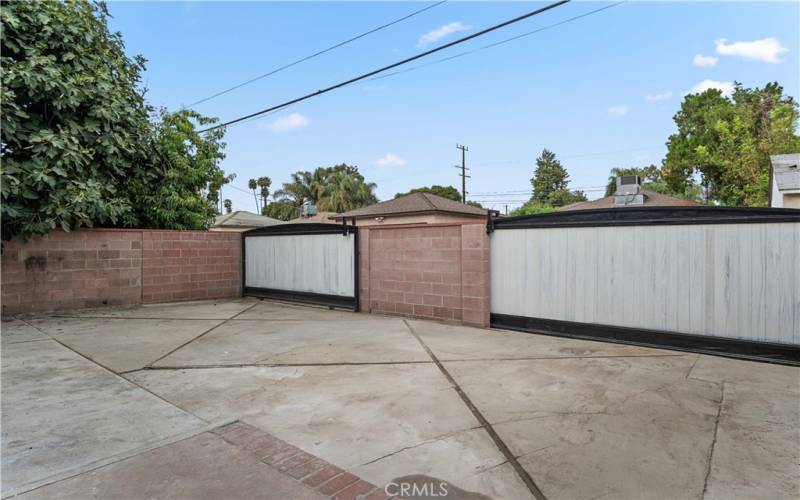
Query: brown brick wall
[[92, 268], [427, 271]]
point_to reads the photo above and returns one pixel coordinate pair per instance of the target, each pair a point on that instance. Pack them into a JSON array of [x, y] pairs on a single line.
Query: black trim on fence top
[[644, 216], [301, 228], [718, 346]]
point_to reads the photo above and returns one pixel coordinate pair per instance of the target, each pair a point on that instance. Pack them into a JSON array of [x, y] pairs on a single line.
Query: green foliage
[[264, 183], [228, 206], [281, 210], [181, 190], [74, 126], [550, 181], [448, 192], [335, 189], [728, 141], [78, 146], [530, 208], [474, 204]]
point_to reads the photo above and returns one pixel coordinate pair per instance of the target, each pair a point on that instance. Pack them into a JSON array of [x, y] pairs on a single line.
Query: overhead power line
[[501, 42], [391, 66], [315, 54]]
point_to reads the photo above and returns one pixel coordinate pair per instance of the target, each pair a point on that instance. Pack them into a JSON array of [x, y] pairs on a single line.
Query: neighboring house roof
[[242, 218], [318, 217], [411, 204], [786, 171], [651, 199]]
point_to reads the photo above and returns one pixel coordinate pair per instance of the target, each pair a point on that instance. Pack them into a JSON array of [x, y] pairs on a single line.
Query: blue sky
[[599, 91]]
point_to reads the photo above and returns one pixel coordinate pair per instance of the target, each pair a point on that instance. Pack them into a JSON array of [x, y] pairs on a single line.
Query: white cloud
[[658, 97], [617, 110], [701, 60], [289, 122], [766, 50], [390, 160], [725, 87], [441, 32]]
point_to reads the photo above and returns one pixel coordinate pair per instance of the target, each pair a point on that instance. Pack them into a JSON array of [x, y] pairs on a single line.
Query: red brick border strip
[[312, 471]]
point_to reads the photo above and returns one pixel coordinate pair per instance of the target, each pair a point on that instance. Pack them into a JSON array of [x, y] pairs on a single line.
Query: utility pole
[[464, 169]]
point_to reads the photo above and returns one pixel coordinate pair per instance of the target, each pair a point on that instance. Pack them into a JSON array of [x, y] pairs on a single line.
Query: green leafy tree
[[75, 125], [531, 208], [181, 189], [728, 141], [550, 182], [228, 206], [80, 146], [336, 189], [281, 210], [448, 192]]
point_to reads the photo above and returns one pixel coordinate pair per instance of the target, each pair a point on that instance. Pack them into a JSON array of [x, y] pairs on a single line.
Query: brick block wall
[[427, 271], [93, 268], [190, 265]]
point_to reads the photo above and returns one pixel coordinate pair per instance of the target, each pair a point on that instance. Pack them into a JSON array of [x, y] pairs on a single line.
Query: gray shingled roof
[[242, 218], [413, 203], [786, 171], [651, 199]]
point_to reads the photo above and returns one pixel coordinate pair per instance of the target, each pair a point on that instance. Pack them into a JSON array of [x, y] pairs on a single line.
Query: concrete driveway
[[139, 402]]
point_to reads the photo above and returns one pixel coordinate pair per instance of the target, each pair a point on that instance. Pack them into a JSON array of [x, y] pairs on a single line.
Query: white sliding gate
[[305, 262], [707, 278]]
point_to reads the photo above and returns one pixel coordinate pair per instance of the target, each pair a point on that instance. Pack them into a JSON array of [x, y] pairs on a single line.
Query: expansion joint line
[[203, 334], [498, 441]]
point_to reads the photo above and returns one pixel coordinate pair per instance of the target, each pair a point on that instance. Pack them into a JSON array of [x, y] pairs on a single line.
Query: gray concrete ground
[[118, 402]]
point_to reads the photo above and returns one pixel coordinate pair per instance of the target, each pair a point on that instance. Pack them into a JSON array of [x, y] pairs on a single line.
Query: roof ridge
[[428, 201]]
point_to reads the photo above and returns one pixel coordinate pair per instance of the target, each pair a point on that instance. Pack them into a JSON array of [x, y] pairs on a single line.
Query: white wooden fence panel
[[316, 263], [737, 281]]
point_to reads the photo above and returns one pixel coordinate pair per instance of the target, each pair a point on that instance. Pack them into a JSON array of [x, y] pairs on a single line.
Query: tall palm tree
[[264, 183], [253, 184]]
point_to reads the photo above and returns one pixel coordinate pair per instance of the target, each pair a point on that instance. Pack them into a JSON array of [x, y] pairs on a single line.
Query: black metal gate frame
[[296, 296], [635, 216]]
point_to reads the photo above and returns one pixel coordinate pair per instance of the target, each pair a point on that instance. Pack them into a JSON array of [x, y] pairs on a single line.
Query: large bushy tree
[[79, 144], [550, 182], [180, 187], [449, 192], [336, 189], [728, 142]]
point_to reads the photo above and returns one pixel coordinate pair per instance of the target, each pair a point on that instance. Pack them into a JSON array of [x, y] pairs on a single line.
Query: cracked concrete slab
[[201, 467], [757, 450], [61, 412], [123, 344], [351, 341], [200, 309], [18, 331], [621, 427], [586, 419], [350, 416], [477, 343]]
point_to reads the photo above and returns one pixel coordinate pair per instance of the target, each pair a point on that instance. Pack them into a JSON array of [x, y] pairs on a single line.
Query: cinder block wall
[[97, 267], [438, 271], [190, 265]]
